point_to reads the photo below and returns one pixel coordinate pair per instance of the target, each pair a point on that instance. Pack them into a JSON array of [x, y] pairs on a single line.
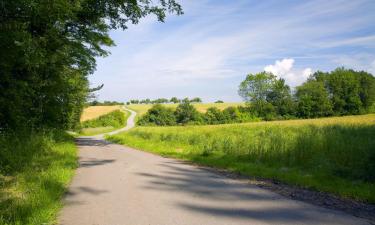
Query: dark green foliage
[[115, 119], [48, 49], [186, 113], [340, 92], [105, 103], [214, 116], [313, 100], [158, 115], [219, 101]]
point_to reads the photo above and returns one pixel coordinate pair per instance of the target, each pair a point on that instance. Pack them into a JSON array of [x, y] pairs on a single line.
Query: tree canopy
[[48, 49]]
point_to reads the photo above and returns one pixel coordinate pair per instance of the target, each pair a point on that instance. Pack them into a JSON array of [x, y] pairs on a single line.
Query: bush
[[187, 114], [158, 115]]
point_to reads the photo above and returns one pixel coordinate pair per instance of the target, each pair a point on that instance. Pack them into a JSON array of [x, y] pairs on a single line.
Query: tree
[[196, 99], [158, 115], [219, 101], [174, 100], [186, 113], [214, 116], [255, 89], [312, 100], [280, 98], [48, 49]]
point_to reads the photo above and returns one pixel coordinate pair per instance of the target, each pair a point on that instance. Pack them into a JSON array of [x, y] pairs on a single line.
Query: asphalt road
[[117, 185]]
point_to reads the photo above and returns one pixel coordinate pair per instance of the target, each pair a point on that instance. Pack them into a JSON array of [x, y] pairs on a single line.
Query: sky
[[211, 48]]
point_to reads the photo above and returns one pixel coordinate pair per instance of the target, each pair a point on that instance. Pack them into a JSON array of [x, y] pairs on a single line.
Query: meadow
[[141, 109], [33, 179], [335, 155], [93, 112]]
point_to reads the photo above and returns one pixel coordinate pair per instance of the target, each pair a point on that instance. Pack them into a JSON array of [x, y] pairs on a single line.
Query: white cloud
[[284, 69]]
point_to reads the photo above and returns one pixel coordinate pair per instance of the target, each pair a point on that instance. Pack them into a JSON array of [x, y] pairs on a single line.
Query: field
[[104, 123], [34, 178], [335, 155], [201, 107], [93, 112]]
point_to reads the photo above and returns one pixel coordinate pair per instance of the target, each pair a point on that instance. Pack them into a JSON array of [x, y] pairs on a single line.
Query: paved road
[[117, 185]]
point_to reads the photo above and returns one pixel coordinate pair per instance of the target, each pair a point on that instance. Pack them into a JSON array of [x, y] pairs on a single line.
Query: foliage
[[158, 115], [33, 179], [219, 101], [322, 154], [105, 103], [186, 113], [340, 92], [48, 49], [313, 100]]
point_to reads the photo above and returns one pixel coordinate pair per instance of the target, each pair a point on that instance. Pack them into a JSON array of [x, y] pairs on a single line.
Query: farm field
[[335, 155], [93, 112], [201, 107]]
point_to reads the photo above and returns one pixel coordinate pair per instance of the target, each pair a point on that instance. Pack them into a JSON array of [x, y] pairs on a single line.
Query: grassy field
[[34, 173], [93, 112], [104, 123], [201, 107], [335, 155]]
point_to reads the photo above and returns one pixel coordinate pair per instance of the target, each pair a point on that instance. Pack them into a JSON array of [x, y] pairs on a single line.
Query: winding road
[[117, 185]]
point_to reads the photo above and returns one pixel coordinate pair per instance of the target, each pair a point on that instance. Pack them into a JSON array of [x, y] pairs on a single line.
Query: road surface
[[117, 185]]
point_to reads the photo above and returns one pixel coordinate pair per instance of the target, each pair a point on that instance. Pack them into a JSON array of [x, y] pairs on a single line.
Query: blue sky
[[209, 50]]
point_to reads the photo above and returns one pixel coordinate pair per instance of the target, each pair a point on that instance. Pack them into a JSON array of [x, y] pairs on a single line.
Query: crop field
[[201, 107], [335, 155], [93, 112]]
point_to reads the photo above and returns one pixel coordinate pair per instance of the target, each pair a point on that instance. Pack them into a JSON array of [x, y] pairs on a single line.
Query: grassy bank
[[335, 155], [105, 123], [34, 173]]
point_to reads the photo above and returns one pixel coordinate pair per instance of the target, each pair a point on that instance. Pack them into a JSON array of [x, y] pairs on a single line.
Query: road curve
[[117, 185]]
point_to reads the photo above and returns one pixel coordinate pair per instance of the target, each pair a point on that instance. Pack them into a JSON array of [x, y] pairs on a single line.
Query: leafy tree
[[219, 101], [174, 100], [186, 113], [158, 115], [255, 89], [48, 49], [196, 99], [214, 116], [313, 101], [280, 98]]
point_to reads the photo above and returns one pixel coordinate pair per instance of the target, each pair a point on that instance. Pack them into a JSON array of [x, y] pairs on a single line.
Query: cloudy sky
[[209, 50]]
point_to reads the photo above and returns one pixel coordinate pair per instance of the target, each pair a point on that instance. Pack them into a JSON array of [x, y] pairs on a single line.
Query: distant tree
[[186, 113], [219, 101], [312, 100], [174, 100], [196, 100]]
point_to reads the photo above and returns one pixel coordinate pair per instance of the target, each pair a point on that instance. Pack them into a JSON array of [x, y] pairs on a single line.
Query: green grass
[[34, 173], [335, 155], [105, 123]]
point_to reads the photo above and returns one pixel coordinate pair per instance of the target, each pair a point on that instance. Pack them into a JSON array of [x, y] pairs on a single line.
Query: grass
[[34, 173], [335, 155], [141, 109], [93, 112], [104, 123]]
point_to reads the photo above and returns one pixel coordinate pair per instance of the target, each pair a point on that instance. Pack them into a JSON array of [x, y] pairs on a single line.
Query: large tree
[[48, 49]]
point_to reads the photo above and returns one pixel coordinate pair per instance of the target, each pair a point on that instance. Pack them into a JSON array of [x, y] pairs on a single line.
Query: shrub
[[158, 115], [187, 114], [114, 119]]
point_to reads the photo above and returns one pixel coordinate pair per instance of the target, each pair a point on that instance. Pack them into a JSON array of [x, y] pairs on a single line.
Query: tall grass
[[34, 173], [330, 154]]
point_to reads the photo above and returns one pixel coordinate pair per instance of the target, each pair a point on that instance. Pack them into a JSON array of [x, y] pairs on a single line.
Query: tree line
[[336, 93], [174, 100]]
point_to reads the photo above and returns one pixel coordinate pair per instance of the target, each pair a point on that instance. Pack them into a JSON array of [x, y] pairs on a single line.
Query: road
[[117, 185]]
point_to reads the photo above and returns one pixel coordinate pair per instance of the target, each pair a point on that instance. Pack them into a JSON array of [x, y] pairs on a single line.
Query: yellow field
[[201, 107], [93, 112]]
